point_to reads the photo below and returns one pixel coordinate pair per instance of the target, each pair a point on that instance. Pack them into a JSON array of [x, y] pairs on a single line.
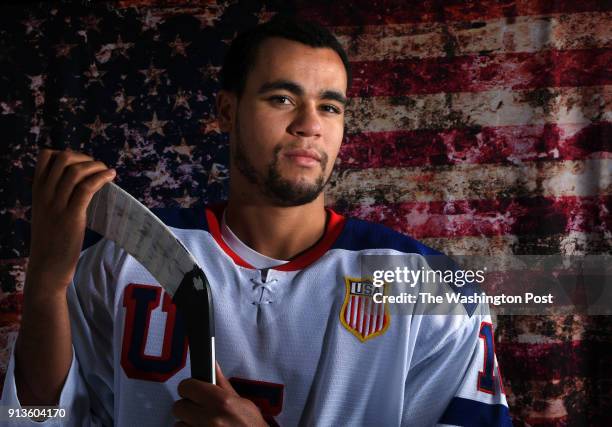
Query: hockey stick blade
[[119, 217]]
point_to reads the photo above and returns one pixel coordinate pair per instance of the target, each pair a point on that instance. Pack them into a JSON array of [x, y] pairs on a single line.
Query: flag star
[[155, 125], [152, 74], [126, 154], [94, 75], [63, 49], [183, 148], [123, 102], [98, 128], [210, 14], [108, 50], [150, 22], [181, 100], [19, 211], [179, 47], [186, 201]]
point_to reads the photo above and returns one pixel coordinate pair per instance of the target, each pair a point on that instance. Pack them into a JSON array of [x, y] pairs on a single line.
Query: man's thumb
[[222, 381]]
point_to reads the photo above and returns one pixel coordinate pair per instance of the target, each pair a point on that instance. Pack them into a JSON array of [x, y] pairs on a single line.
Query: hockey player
[[299, 339]]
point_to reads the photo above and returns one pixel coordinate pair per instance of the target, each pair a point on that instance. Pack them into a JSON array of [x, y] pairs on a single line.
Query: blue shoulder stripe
[[192, 218], [358, 235], [471, 413]]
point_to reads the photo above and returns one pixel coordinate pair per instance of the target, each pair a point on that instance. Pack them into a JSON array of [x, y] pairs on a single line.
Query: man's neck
[[275, 231]]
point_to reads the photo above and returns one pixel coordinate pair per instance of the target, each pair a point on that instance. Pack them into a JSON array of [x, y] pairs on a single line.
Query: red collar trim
[[332, 231]]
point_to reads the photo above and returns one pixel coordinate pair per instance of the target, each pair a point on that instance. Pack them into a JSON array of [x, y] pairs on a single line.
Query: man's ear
[[226, 102]]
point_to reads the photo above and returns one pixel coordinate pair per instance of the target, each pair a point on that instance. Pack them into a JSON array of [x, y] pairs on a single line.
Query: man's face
[[289, 122]]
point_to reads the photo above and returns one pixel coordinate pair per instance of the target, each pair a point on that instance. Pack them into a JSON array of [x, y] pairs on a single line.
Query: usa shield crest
[[363, 317]]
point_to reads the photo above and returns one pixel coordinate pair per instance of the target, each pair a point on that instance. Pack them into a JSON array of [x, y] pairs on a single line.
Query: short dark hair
[[240, 59]]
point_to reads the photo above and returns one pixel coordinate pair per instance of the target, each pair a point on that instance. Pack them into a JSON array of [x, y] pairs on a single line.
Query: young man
[[299, 340]]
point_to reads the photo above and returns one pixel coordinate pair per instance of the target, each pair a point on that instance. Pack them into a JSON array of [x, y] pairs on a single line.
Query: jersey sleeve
[[480, 399], [458, 382], [87, 395], [73, 398]]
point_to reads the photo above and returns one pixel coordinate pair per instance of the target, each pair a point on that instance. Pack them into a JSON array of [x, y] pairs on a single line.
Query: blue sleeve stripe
[[358, 235], [471, 413]]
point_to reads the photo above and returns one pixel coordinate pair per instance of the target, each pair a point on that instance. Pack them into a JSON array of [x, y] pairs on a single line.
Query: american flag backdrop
[[478, 127]]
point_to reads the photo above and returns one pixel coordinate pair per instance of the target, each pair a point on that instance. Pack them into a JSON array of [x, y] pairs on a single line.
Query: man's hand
[[64, 183], [205, 404]]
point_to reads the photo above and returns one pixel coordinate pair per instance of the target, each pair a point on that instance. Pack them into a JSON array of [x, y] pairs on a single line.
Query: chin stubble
[[282, 191]]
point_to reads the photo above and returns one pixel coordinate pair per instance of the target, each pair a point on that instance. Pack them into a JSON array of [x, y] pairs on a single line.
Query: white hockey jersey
[[299, 340]]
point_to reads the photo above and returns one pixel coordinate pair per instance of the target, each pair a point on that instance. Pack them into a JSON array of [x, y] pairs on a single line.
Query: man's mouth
[[303, 157]]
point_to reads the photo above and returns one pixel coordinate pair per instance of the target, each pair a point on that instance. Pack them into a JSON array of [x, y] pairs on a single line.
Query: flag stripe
[[566, 402], [368, 317], [362, 324], [572, 243], [373, 308], [381, 315], [573, 178], [348, 310], [524, 34], [498, 144], [359, 314], [553, 361], [365, 12], [543, 329], [364, 316], [493, 217], [501, 107], [478, 73]]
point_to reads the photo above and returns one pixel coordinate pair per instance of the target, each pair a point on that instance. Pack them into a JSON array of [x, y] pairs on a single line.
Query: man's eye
[[280, 99], [332, 109]]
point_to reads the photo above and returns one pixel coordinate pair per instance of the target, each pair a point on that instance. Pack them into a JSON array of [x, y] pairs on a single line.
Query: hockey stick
[[119, 217]]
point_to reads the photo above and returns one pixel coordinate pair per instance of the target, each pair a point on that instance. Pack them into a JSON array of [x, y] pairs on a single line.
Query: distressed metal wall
[[477, 127]]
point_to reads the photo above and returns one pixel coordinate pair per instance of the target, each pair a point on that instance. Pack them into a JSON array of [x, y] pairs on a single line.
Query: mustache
[[299, 145]]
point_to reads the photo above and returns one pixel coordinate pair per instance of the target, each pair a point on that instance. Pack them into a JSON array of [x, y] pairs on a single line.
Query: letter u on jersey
[[139, 302], [360, 314]]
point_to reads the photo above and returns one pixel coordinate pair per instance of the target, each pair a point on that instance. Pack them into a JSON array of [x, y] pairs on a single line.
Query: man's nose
[[306, 123]]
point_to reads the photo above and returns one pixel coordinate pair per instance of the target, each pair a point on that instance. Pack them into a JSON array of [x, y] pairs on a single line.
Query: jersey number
[[486, 379]]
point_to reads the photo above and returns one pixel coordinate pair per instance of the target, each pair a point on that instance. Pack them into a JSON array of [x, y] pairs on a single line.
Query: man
[[299, 340]]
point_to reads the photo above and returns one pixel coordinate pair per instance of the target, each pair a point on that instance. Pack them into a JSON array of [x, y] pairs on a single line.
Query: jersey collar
[[332, 231]]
